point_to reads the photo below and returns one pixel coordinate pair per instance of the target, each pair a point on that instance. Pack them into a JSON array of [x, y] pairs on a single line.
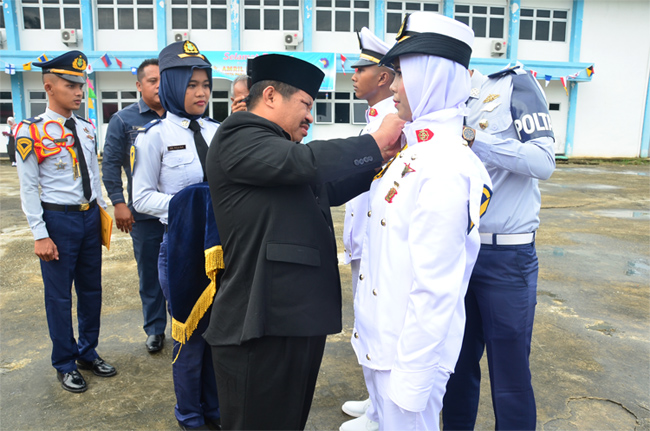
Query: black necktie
[[83, 167], [201, 145]]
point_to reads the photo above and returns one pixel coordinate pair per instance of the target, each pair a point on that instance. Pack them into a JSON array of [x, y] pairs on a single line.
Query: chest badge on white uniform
[[483, 124], [407, 169], [392, 193], [185, 123], [424, 135]]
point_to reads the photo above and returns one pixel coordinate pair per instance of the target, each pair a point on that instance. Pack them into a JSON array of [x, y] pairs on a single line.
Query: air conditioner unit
[[498, 48], [291, 40], [181, 35], [69, 36]]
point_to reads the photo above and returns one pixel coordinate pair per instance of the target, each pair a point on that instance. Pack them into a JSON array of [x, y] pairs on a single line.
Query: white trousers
[[393, 418]]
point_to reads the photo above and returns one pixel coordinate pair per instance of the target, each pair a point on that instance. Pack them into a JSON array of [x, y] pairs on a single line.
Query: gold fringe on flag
[[182, 331]]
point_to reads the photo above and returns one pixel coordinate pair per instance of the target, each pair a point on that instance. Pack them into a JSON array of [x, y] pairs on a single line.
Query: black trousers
[[267, 383]]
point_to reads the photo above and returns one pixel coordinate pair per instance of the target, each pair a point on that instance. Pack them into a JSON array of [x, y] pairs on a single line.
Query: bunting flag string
[[547, 79], [106, 60], [343, 58], [10, 69], [590, 71], [563, 80], [532, 72], [117, 60]]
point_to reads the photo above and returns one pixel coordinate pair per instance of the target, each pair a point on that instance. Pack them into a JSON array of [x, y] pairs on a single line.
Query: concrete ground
[[590, 355]]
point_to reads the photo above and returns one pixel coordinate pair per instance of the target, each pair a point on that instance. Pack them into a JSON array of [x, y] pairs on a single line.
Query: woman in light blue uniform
[[168, 156]]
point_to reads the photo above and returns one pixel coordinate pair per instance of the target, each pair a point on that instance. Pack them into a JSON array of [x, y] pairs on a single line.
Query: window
[[340, 108], [51, 14], [199, 15], [38, 104], [543, 24], [125, 14], [220, 105], [396, 10], [553, 106], [486, 21], [2, 16], [271, 14], [113, 101], [6, 106], [342, 15]]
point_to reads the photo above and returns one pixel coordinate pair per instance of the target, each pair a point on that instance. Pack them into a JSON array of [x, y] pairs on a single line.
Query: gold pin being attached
[[491, 97], [483, 124]]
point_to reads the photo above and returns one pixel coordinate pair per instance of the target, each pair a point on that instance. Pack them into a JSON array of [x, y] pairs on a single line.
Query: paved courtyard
[[591, 344]]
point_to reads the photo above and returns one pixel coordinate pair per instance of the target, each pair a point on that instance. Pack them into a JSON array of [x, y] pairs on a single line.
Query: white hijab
[[437, 89]]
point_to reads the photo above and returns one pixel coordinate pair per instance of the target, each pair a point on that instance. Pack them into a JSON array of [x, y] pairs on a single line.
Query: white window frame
[[133, 7], [281, 8], [329, 99], [334, 8], [551, 20], [122, 101], [404, 9], [3, 120], [215, 99], [488, 16], [205, 5], [61, 6]]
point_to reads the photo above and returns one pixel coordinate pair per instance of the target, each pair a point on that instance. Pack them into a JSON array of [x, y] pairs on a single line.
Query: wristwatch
[[469, 135]]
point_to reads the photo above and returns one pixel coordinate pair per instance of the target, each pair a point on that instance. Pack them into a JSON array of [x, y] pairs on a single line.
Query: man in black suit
[[280, 293]]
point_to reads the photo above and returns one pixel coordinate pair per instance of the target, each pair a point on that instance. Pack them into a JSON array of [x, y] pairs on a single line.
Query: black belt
[[77, 208]]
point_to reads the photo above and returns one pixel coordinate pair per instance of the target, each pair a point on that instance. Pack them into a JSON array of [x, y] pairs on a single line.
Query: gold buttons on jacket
[[368, 356], [374, 292], [351, 214], [360, 276], [356, 335], [383, 222], [369, 213]]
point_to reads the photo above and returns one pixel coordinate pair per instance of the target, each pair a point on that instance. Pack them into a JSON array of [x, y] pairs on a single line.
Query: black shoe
[[99, 367], [72, 381], [200, 427], [213, 424], [155, 342]]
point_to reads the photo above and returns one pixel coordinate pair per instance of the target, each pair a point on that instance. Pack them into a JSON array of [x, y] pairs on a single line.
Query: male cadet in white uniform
[[372, 83], [514, 139], [422, 239], [57, 152]]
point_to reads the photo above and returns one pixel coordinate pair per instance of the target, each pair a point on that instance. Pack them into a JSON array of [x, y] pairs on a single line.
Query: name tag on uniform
[[176, 147]]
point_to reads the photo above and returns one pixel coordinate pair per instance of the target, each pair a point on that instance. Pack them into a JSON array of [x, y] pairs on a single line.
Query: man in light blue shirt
[[510, 131]]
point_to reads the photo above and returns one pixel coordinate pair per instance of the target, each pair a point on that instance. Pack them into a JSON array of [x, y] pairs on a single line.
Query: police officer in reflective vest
[[57, 152], [510, 130]]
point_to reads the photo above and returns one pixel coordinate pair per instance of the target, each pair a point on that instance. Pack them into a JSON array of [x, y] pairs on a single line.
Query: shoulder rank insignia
[[28, 122], [25, 146], [149, 125], [424, 135], [83, 119], [407, 169], [372, 112], [132, 158], [503, 72]]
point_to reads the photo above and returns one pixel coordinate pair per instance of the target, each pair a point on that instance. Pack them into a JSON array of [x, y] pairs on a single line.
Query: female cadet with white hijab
[[422, 238], [169, 155]]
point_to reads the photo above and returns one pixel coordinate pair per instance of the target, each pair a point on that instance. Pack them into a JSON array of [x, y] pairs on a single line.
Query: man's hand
[[388, 137], [238, 104], [46, 249], [123, 218]]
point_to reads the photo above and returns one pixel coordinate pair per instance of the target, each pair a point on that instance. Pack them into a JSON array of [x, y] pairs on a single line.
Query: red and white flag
[[343, 58]]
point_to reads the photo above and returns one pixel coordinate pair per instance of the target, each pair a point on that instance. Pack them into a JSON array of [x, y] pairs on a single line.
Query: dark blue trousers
[[77, 238], [194, 381], [500, 305], [147, 235]]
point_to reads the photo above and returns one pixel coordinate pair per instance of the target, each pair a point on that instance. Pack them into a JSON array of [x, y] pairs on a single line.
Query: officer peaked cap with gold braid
[[182, 54], [70, 66], [372, 48]]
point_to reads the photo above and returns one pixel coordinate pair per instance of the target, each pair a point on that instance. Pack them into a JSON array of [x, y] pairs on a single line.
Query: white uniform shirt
[[354, 227], [166, 161], [55, 174], [417, 260]]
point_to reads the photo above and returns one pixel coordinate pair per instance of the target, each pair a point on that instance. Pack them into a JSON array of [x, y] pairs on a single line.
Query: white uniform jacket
[[418, 255], [354, 226], [166, 161]]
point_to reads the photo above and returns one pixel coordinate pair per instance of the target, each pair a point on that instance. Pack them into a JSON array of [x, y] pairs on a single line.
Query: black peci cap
[[182, 54], [70, 66], [289, 70]]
